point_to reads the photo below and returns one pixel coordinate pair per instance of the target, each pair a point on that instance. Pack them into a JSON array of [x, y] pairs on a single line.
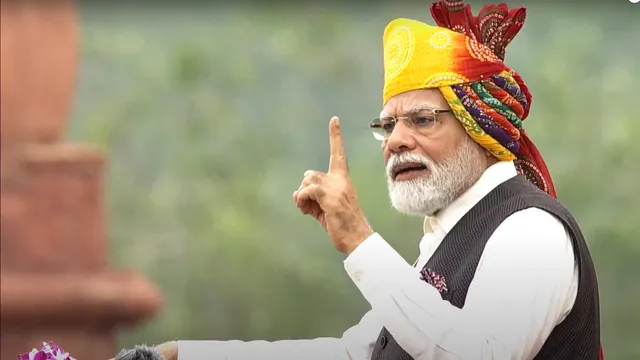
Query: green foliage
[[211, 115]]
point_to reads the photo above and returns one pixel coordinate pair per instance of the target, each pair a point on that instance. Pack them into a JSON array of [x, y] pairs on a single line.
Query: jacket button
[[383, 341]]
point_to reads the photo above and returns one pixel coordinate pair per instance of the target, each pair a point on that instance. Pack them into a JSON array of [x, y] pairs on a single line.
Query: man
[[504, 271]]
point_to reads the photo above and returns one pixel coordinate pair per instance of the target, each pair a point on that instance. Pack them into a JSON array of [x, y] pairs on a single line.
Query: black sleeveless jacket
[[456, 259]]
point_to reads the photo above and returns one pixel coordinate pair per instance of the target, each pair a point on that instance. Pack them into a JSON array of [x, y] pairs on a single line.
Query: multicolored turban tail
[[463, 58]]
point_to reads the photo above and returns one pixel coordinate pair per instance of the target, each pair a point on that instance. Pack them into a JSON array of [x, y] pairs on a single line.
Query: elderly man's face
[[428, 167]]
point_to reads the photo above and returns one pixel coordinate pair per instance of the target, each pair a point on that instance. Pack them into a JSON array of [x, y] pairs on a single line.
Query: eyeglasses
[[420, 121]]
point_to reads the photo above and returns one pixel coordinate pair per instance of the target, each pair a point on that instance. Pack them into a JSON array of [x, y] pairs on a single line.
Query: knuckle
[[314, 177], [312, 173]]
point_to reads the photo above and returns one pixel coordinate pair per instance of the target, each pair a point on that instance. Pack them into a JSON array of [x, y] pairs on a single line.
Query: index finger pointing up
[[337, 160]]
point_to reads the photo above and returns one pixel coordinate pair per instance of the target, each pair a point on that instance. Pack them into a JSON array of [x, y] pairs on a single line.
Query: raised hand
[[331, 199]]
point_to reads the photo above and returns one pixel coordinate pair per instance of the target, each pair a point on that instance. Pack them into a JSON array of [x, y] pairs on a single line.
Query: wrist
[[356, 238]]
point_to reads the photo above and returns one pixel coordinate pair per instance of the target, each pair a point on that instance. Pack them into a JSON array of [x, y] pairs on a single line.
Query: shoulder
[[533, 222], [533, 234]]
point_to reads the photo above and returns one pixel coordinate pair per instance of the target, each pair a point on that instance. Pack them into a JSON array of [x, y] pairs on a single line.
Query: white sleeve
[[356, 344], [524, 286]]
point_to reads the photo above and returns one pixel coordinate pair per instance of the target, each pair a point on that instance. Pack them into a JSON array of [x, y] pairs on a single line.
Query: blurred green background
[[212, 113]]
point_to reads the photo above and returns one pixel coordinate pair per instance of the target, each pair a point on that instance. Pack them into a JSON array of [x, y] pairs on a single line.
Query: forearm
[[356, 343]]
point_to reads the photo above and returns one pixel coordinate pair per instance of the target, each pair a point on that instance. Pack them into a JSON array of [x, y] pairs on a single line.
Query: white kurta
[[525, 284]]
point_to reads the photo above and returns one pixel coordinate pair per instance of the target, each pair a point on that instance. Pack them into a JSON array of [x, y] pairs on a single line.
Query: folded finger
[[310, 192]]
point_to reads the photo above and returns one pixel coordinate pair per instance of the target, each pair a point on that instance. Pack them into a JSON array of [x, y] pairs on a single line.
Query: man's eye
[[422, 119], [388, 125]]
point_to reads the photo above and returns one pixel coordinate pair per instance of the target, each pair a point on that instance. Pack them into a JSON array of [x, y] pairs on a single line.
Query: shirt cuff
[[375, 267]]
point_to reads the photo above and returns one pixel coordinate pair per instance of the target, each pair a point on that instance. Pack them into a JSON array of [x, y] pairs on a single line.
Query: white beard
[[440, 186]]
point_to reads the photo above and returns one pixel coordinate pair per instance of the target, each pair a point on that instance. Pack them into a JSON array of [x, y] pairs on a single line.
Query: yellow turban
[[463, 58]]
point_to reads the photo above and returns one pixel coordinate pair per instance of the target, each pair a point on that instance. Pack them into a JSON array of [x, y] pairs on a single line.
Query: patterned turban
[[463, 58]]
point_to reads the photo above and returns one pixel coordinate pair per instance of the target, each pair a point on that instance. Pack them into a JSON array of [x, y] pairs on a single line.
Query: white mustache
[[404, 158]]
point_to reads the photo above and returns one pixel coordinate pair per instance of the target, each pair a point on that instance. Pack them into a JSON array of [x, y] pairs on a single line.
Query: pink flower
[[49, 351]]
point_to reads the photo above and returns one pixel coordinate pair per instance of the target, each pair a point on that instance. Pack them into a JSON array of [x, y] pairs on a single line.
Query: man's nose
[[402, 138]]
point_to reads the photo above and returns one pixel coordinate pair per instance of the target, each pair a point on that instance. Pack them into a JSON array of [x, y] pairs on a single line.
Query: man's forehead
[[407, 102]]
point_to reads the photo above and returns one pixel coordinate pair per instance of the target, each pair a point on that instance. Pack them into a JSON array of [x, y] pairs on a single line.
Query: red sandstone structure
[[54, 280]]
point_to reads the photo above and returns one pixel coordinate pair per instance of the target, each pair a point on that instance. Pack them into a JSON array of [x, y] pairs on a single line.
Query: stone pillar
[[55, 283]]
